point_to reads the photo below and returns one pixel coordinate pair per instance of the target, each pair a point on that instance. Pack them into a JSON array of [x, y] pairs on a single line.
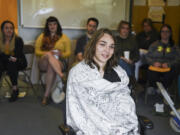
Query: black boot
[[14, 96], [145, 122]]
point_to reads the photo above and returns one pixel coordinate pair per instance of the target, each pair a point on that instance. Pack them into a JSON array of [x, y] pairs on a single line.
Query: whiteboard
[[73, 14]]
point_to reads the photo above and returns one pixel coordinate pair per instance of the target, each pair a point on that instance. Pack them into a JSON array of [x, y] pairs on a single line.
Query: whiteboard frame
[[64, 27]]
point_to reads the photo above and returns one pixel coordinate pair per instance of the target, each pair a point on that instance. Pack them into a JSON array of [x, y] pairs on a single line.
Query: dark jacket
[[18, 53], [128, 44], [163, 53], [81, 43], [143, 43]]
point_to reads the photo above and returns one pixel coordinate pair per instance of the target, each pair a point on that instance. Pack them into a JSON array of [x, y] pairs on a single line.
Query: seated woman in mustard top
[[52, 46]]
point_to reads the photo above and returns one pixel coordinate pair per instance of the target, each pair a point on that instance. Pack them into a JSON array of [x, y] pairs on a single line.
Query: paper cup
[[126, 54], [56, 51]]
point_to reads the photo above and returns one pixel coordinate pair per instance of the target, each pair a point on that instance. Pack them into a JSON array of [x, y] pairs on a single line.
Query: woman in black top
[[12, 58]]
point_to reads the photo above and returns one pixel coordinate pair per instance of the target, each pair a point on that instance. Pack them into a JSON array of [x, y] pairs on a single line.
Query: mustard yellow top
[[63, 45], [6, 49]]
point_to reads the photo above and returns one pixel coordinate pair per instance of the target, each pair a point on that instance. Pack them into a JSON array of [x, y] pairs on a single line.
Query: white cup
[[126, 54], [56, 51]]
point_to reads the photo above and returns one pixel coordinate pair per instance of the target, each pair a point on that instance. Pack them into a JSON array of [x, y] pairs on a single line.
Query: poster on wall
[[173, 2], [156, 14], [156, 3], [139, 2]]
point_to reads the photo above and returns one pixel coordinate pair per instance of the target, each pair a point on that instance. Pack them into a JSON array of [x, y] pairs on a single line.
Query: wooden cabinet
[[8, 11]]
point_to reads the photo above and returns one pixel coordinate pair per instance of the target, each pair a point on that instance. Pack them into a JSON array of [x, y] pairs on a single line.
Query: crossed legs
[[49, 64]]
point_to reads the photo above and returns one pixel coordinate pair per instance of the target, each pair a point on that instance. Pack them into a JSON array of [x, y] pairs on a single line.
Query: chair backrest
[[29, 54], [71, 59], [28, 49]]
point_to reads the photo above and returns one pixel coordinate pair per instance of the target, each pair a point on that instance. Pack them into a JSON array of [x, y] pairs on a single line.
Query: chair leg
[[29, 79]]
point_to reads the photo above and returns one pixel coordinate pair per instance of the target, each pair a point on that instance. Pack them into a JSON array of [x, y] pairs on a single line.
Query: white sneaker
[[7, 95], [58, 95]]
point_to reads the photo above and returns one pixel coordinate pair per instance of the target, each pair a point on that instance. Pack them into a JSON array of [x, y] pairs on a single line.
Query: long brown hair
[[59, 28], [91, 48], [2, 28], [48, 41]]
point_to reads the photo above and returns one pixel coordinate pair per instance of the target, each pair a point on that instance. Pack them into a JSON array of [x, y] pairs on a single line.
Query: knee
[[49, 54]]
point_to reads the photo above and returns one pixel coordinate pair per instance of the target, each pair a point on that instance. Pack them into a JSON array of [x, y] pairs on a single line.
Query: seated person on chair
[[148, 35], [97, 92], [127, 43], [92, 24], [53, 47], [144, 39], [162, 57], [12, 58]]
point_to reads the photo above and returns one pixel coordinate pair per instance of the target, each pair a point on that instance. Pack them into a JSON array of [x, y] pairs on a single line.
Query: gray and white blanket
[[96, 106]]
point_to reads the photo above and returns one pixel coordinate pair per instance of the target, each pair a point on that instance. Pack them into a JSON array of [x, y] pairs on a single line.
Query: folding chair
[[29, 53], [25, 73], [4, 76]]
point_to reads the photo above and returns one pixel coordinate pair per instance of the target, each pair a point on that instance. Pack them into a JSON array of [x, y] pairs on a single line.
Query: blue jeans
[[127, 67]]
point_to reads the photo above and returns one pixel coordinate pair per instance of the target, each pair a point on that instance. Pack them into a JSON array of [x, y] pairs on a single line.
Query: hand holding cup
[[56, 53]]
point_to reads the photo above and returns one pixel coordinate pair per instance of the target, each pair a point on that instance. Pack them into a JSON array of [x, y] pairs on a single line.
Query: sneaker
[[145, 122], [7, 95]]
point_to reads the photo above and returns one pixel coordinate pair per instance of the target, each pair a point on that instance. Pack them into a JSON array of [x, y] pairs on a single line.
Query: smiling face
[[8, 30], [104, 50], [52, 27]]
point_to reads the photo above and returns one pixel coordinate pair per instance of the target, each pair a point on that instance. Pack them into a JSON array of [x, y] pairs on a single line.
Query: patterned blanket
[[96, 106]]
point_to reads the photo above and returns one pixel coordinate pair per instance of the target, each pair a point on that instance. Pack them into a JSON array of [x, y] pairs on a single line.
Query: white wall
[[30, 34]]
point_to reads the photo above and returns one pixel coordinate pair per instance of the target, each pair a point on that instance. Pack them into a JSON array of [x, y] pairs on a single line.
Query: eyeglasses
[[127, 28], [165, 31]]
